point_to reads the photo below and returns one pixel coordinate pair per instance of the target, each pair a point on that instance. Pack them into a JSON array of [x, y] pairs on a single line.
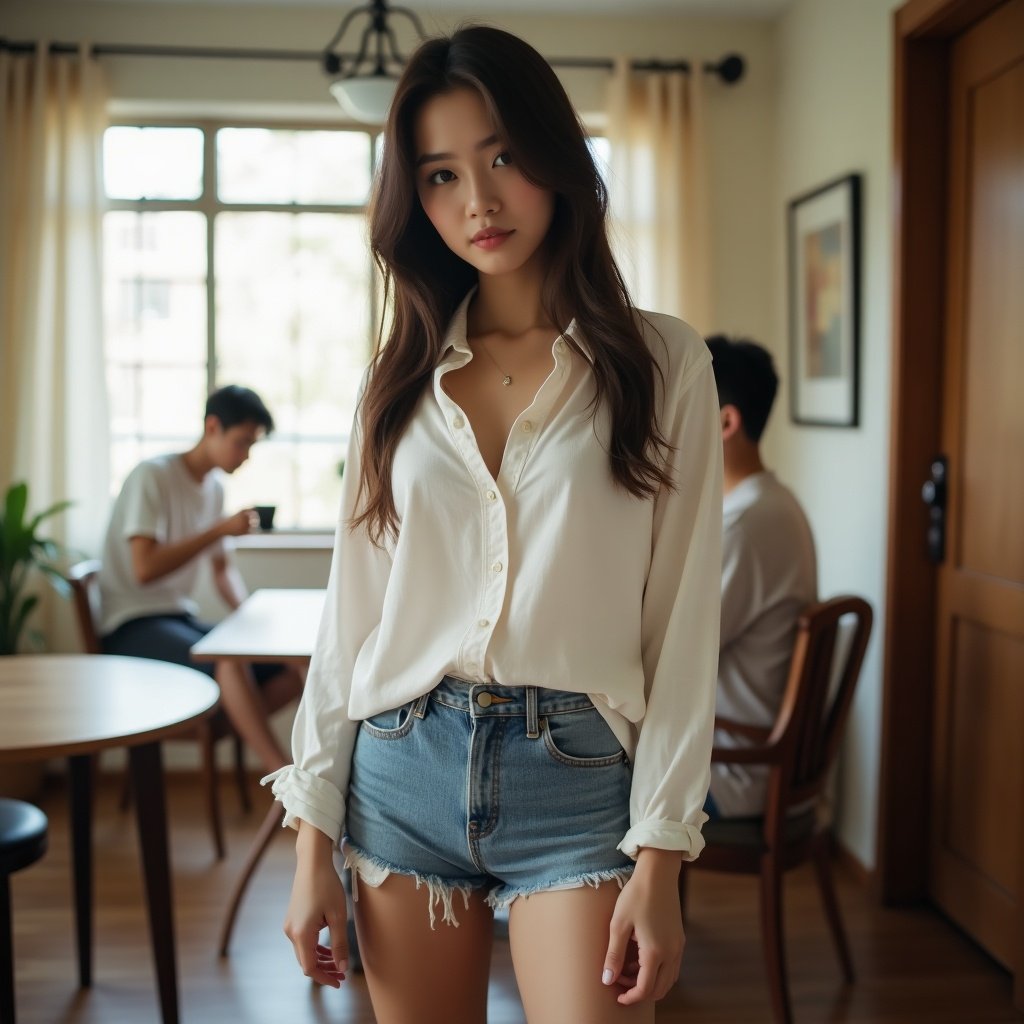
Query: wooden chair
[[799, 749], [84, 580]]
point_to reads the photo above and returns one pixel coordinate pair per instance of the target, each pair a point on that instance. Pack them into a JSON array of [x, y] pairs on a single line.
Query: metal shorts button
[[484, 699]]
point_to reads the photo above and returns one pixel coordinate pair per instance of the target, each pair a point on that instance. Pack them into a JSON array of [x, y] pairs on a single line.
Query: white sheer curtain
[[54, 424], [660, 191], [53, 405]]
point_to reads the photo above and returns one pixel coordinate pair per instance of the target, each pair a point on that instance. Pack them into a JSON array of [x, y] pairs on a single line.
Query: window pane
[[293, 324], [262, 165], [154, 281], [153, 163], [155, 333], [300, 477]]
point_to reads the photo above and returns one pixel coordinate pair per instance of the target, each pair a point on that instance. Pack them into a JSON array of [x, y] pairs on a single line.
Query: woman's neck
[[508, 304]]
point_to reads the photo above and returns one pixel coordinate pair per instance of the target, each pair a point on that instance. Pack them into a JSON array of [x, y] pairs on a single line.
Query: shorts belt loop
[[419, 709], [532, 722]]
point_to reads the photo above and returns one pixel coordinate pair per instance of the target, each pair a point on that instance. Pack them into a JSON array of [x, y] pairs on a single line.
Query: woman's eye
[[503, 159], [441, 177]]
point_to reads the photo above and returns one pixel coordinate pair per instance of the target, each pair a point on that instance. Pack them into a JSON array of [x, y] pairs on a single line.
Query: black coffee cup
[[266, 514]]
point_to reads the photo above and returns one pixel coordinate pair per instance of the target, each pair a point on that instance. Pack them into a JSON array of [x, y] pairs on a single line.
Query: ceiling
[[763, 9]]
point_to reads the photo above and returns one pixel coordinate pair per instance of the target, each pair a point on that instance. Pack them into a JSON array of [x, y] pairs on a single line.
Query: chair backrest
[[827, 656], [85, 587]]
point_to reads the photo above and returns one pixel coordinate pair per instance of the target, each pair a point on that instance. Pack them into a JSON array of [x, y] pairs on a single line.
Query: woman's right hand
[[318, 899]]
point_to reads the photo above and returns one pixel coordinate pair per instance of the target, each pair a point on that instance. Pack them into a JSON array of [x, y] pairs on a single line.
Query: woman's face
[[484, 209]]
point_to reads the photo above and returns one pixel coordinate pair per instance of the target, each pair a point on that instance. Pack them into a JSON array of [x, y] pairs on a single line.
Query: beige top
[[549, 575]]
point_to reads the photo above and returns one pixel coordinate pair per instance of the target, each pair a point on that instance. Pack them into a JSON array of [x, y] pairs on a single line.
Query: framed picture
[[824, 304]]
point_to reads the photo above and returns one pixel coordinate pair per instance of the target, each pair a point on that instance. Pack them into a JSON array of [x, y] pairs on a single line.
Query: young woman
[[512, 695]]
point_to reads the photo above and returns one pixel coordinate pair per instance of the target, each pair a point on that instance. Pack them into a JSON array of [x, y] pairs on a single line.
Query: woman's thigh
[[417, 974], [559, 940]]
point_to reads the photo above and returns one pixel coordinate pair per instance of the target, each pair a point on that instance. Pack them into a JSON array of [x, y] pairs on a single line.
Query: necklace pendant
[[506, 381]]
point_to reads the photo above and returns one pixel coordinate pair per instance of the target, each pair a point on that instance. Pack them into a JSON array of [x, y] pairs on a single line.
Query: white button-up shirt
[[550, 575]]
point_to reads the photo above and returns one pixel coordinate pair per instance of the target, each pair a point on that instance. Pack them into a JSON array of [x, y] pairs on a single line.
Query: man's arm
[[152, 560], [228, 581]]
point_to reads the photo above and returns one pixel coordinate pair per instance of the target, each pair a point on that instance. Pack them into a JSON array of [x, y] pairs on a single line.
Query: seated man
[[169, 514], [769, 571]]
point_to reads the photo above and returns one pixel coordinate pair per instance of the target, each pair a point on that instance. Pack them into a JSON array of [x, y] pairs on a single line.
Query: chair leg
[[683, 872], [823, 867], [126, 792], [271, 827], [241, 780], [773, 938], [209, 759], [6, 952]]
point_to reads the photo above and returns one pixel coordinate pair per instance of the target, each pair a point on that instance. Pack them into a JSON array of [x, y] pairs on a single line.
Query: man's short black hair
[[234, 404], [746, 378]]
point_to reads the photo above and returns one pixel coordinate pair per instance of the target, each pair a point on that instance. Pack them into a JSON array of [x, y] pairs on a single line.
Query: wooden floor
[[912, 966]]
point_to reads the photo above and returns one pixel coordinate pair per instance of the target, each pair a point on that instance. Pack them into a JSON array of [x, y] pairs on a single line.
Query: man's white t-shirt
[[769, 575], [163, 500]]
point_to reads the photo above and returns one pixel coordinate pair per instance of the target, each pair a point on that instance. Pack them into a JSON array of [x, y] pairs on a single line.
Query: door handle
[[934, 493]]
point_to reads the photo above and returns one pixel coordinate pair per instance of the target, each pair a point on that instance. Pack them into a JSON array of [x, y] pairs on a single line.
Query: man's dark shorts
[[169, 638]]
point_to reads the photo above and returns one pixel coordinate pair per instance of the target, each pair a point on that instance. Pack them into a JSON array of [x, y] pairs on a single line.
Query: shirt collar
[[455, 338], [747, 492]]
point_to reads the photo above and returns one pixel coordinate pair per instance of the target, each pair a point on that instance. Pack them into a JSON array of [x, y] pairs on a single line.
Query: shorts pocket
[[581, 739], [392, 724]]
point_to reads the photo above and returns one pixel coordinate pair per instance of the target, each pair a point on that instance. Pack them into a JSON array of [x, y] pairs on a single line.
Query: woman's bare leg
[[559, 940], [417, 975]]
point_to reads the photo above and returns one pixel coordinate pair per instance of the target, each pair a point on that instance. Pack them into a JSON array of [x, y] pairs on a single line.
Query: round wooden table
[[77, 705]]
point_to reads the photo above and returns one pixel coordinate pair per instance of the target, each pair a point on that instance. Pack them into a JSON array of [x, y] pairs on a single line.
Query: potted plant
[[23, 552]]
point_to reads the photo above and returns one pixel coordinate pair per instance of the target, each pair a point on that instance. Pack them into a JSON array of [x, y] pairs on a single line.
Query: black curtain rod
[[730, 68]]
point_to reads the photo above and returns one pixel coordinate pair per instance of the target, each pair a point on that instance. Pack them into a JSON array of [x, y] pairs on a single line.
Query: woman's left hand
[[646, 936]]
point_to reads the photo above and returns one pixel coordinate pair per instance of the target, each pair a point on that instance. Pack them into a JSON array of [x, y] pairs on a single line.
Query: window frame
[[209, 205]]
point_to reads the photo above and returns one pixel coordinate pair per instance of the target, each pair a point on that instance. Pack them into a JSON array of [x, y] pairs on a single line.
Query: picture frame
[[824, 259]]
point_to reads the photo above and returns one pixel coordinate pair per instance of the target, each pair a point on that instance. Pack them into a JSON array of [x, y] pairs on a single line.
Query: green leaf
[[56, 578], [51, 511], [20, 615]]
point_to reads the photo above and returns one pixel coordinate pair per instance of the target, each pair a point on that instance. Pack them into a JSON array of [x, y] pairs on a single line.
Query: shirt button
[[497, 567], [458, 423], [484, 623], [527, 425], [491, 496]]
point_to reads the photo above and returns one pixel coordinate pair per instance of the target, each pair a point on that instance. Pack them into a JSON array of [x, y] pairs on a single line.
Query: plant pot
[[23, 780]]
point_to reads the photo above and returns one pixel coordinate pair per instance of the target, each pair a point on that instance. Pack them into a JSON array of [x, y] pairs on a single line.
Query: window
[[237, 254]]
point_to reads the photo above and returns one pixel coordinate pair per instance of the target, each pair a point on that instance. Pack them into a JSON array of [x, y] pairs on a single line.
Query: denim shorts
[[512, 789]]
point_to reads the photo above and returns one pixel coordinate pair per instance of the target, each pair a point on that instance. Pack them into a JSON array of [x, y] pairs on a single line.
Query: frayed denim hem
[[372, 870], [501, 897]]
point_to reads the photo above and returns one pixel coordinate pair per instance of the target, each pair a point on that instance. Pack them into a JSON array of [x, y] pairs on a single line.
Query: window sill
[[285, 540]]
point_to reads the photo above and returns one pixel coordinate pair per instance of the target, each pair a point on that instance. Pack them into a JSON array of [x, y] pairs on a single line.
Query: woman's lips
[[491, 239]]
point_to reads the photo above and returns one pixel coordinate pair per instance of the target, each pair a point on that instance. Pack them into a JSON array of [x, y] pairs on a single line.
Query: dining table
[[75, 706], [270, 625]]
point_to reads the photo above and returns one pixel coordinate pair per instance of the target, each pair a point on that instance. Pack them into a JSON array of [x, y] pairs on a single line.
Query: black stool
[[22, 842]]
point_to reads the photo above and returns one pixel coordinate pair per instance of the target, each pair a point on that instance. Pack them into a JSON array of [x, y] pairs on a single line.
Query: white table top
[[269, 625]]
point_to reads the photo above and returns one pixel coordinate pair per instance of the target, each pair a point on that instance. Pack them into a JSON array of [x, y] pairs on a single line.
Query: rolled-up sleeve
[[680, 630], [314, 788]]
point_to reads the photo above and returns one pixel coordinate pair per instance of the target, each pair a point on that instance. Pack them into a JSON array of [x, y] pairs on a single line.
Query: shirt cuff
[[308, 797], [665, 835]]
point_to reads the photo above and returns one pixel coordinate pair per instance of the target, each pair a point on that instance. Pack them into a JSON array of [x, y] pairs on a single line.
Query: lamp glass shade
[[365, 98]]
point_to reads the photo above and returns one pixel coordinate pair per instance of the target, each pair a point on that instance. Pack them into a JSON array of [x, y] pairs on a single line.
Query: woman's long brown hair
[[425, 281]]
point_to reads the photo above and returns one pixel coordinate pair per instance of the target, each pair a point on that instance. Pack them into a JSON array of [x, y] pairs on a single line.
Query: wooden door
[[977, 834]]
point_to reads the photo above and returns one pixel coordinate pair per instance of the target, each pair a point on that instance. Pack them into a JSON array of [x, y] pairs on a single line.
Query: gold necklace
[[505, 378]]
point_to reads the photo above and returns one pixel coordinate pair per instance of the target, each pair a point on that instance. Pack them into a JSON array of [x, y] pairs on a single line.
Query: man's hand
[[240, 523]]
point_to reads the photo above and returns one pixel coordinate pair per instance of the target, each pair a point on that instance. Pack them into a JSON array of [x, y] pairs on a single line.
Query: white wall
[[833, 118]]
